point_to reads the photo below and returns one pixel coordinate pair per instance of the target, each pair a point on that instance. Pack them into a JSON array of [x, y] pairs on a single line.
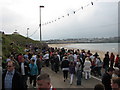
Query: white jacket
[[87, 65]]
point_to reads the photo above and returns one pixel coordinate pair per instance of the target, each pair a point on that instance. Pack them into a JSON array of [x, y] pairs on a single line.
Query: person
[[106, 62], [78, 71], [44, 82], [116, 72], [56, 62], [106, 79], [71, 71], [99, 65], [39, 64], [115, 83], [117, 60], [71, 57], [11, 78], [112, 57], [24, 69], [99, 86], [65, 67], [87, 68], [46, 58], [33, 72]]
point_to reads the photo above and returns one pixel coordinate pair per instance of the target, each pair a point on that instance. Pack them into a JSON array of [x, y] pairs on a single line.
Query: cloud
[[92, 21]]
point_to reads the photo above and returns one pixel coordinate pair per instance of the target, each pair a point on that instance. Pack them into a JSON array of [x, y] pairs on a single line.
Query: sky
[[97, 20]]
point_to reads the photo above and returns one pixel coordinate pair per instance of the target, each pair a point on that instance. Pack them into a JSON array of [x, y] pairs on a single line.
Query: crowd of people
[[19, 67]]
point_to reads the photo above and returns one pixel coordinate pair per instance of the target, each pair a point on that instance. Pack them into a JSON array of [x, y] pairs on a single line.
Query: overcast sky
[[97, 20]]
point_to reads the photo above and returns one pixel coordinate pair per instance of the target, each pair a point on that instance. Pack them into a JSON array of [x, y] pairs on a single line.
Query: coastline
[[101, 53]]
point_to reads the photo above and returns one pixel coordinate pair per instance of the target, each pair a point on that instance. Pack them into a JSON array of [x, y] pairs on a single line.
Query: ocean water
[[111, 47]]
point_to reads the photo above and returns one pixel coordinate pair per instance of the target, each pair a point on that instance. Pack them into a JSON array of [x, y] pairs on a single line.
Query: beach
[[100, 52]]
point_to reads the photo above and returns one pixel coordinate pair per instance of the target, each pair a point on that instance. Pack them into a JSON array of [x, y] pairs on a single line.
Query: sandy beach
[[101, 53]]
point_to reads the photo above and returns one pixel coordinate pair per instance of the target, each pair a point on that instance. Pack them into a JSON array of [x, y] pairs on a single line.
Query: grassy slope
[[18, 44]]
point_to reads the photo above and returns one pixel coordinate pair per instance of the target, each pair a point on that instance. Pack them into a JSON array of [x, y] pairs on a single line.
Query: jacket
[[17, 83]]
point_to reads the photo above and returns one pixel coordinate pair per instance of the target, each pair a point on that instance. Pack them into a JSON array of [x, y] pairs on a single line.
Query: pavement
[[0, 77], [58, 82]]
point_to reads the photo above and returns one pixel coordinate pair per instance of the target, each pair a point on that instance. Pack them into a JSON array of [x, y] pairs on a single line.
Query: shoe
[[64, 80], [34, 86]]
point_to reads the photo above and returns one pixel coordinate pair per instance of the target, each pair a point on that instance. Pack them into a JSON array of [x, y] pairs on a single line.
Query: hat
[[96, 54]]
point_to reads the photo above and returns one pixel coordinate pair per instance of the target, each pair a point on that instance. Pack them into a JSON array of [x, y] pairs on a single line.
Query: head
[[87, 58], [10, 66], [99, 87], [66, 57], [115, 83], [23, 59], [32, 61], [116, 72], [110, 71], [43, 81]]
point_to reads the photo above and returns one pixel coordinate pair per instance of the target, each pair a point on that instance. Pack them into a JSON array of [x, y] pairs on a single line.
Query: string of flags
[[74, 12], [52, 21]]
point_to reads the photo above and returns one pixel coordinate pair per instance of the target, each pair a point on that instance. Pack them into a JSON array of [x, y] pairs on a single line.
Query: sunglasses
[[9, 66]]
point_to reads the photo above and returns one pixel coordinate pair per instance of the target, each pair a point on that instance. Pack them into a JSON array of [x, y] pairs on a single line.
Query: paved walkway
[[0, 77], [57, 80]]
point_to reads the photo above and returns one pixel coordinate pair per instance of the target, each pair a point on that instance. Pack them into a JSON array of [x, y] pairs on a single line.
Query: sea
[[111, 47]]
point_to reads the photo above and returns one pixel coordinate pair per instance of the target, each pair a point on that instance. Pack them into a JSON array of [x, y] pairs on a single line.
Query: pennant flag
[[92, 3], [82, 7], [74, 12]]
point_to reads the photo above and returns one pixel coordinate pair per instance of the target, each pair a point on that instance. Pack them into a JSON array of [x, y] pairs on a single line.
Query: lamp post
[[27, 32], [40, 23]]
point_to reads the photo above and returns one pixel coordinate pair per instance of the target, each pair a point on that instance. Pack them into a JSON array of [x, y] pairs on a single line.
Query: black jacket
[[65, 64], [26, 67], [17, 83], [106, 80]]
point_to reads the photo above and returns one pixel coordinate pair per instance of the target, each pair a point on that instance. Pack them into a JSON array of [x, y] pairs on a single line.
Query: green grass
[[18, 44]]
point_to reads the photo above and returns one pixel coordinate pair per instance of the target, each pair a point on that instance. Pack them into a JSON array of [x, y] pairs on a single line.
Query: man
[[46, 58], [99, 86], [24, 69], [106, 79], [11, 78], [115, 83], [44, 82]]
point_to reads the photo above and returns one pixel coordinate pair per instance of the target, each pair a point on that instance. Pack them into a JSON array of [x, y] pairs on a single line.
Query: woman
[[72, 71], [33, 72], [87, 68], [65, 67]]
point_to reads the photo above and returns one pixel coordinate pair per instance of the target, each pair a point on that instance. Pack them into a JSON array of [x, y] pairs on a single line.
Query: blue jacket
[[33, 69]]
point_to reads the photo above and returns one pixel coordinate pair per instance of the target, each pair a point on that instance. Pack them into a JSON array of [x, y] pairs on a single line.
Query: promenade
[[0, 77], [57, 80]]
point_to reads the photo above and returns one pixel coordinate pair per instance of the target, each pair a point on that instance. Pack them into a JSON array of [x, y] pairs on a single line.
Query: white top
[[87, 65], [22, 69], [46, 56]]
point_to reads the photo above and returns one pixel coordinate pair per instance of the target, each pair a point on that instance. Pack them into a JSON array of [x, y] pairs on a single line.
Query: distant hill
[[16, 43], [85, 40]]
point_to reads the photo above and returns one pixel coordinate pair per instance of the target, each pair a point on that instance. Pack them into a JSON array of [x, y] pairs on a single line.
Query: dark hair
[[110, 69], [116, 80], [33, 60], [99, 87]]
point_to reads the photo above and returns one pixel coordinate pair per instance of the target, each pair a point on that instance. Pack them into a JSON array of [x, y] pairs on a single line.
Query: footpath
[[0, 77], [57, 80]]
